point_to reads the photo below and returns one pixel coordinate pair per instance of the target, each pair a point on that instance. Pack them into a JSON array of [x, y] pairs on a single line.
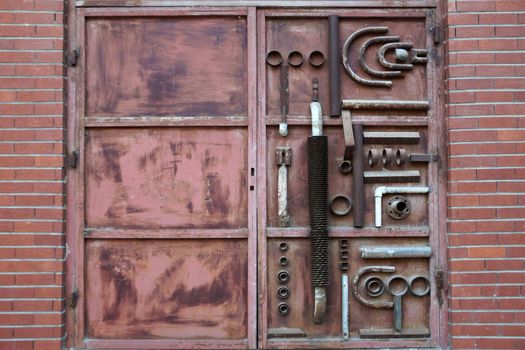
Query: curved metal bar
[[357, 294], [389, 65], [346, 64], [366, 67]]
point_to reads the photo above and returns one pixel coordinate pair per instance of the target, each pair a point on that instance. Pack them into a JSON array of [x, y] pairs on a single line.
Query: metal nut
[[398, 207], [283, 261], [345, 167], [283, 246], [283, 276], [283, 292], [283, 309]]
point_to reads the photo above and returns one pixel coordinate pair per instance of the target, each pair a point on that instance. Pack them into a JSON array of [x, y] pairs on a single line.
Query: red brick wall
[[31, 180], [486, 104], [486, 107]]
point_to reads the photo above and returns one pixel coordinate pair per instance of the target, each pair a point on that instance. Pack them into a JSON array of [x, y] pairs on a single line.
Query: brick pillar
[[486, 107], [31, 174]]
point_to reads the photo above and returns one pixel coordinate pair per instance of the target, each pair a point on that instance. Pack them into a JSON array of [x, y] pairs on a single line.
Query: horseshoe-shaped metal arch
[[346, 64], [360, 298], [366, 67], [389, 65]]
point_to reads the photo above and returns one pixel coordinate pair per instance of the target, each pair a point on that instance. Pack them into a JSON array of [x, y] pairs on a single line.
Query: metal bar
[[391, 137], [284, 95], [386, 252], [335, 93], [398, 312], [385, 104], [345, 314], [378, 333], [422, 158], [348, 134], [371, 177], [358, 175]]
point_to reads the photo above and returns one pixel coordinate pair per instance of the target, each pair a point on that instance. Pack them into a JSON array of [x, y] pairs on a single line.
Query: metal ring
[[283, 292], [345, 200], [283, 276], [401, 156], [295, 59], [419, 292], [283, 261], [374, 286], [387, 156], [316, 58], [345, 167], [283, 246], [283, 309], [274, 58], [391, 290], [373, 157]]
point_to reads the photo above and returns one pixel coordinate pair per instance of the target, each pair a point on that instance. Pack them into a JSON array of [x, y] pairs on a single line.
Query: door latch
[[72, 58], [440, 283]]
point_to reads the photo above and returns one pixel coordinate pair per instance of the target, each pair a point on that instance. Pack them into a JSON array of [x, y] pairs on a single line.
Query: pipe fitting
[[283, 276], [283, 292], [398, 207], [387, 156], [283, 309], [381, 190], [374, 156]]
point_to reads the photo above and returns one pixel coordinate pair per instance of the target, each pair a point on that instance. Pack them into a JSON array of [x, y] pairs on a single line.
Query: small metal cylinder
[[401, 156], [283, 292], [283, 246], [374, 156], [387, 156], [295, 59], [283, 276], [283, 309], [316, 58], [274, 58], [283, 261]]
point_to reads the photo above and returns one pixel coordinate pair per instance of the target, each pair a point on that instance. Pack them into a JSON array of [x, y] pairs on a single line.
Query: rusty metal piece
[[391, 137], [340, 205], [346, 63], [381, 190], [394, 66], [385, 104], [315, 110], [374, 286], [285, 96], [355, 286], [345, 166], [418, 56], [374, 156], [274, 58], [283, 292], [283, 276], [345, 312], [283, 309], [387, 156], [397, 286], [374, 72], [358, 178], [419, 291], [423, 158], [283, 261], [283, 246], [398, 207], [344, 266], [389, 252], [372, 177], [335, 93], [401, 156], [316, 58], [319, 304], [344, 254], [388, 333], [343, 243], [283, 158], [295, 59], [348, 134]]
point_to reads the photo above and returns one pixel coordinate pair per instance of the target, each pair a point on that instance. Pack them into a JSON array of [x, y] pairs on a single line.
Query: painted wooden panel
[[415, 309], [190, 66], [339, 184], [166, 178], [166, 289]]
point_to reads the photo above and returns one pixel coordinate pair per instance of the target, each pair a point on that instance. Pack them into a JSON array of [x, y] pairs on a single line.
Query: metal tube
[[345, 315], [387, 252], [381, 190], [335, 94], [282, 196], [358, 174], [385, 104]]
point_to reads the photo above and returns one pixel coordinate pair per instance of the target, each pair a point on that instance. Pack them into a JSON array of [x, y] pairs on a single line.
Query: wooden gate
[[202, 213]]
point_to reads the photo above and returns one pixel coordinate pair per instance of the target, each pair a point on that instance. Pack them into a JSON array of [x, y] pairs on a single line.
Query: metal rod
[[283, 126], [335, 94], [345, 314], [391, 137], [385, 104], [387, 252], [358, 174], [398, 313], [372, 177]]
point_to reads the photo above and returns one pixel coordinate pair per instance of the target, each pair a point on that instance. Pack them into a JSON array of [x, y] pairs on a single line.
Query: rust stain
[[111, 155], [216, 199]]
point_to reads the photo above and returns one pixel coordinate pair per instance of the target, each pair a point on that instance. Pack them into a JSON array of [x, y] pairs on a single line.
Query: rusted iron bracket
[[348, 135], [440, 284], [72, 58], [72, 299], [372, 177], [283, 158], [423, 158]]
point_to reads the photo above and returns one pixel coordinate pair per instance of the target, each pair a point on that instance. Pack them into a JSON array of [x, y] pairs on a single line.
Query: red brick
[[475, 6]]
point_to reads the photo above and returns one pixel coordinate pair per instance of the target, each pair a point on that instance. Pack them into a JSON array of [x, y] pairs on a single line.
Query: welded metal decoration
[[404, 53], [283, 159], [318, 207]]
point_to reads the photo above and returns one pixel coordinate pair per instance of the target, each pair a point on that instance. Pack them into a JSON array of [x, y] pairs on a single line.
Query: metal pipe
[[335, 94], [387, 252], [358, 175], [385, 104], [381, 190], [371, 177], [345, 314]]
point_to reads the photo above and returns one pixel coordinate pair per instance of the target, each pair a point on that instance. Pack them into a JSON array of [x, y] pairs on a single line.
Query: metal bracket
[[440, 283], [437, 34], [72, 58], [73, 299], [73, 159]]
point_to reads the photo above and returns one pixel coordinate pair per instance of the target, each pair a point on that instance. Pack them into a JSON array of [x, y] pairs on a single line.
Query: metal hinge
[[439, 278], [72, 57], [72, 159], [437, 34], [72, 300]]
